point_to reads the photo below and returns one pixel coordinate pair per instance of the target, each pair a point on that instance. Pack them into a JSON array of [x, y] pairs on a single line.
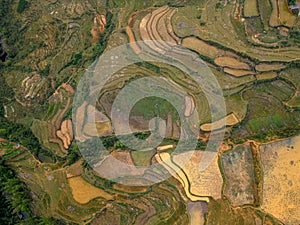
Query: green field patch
[[186, 21], [142, 158], [250, 8], [266, 110], [265, 10], [292, 75]]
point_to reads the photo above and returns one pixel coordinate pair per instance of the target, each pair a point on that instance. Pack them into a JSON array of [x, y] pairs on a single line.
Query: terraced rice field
[[52, 131], [252, 49], [230, 33]]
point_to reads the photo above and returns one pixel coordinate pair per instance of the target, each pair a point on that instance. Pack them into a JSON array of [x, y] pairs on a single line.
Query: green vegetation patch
[[142, 158], [22, 5], [151, 107], [267, 113]]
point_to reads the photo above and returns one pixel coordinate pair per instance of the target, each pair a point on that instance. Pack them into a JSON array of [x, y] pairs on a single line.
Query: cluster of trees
[[15, 201], [9, 28], [14, 198], [9, 130], [73, 154], [20, 134], [111, 21], [266, 136]]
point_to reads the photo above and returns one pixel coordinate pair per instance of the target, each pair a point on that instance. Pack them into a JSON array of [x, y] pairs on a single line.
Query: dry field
[[266, 75], [229, 33], [66, 133], [281, 182], [197, 212], [165, 159], [83, 192], [97, 129], [118, 164], [189, 106], [165, 147], [98, 27], [262, 67], [231, 62], [239, 172], [238, 73], [157, 26], [130, 189], [32, 87], [132, 40], [202, 47], [207, 182]]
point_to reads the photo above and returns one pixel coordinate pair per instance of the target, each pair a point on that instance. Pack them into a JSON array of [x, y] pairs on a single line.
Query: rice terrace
[[148, 168]]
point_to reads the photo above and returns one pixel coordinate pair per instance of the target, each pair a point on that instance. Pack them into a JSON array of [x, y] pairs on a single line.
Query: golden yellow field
[[98, 129], [83, 192], [207, 182], [201, 47], [266, 75], [229, 120], [130, 189], [66, 133], [238, 73], [226, 61], [165, 147], [131, 37], [177, 173], [262, 67], [281, 184]]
